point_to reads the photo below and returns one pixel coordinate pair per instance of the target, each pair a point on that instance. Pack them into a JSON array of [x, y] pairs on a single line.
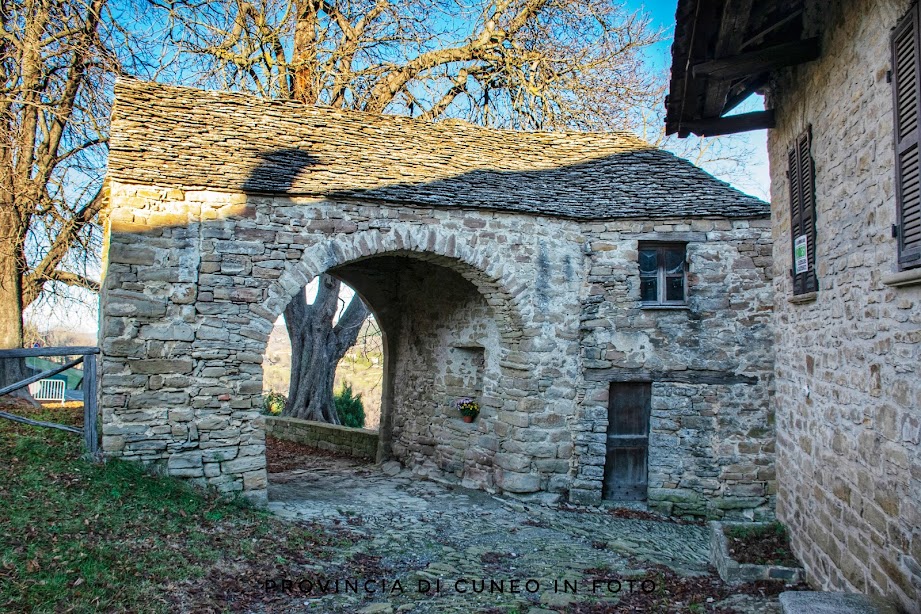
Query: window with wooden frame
[[663, 273], [906, 93], [801, 172]]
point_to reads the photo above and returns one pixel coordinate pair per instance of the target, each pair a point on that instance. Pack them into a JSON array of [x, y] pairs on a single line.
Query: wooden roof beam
[[733, 25], [741, 90], [718, 126], [763, 60], [757, 38]]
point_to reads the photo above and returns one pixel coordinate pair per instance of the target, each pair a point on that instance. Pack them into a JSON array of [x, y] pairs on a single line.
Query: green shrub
[[273, 403], [349, 407]]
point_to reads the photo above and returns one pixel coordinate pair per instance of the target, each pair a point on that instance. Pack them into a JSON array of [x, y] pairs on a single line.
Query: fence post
[[89, 405]]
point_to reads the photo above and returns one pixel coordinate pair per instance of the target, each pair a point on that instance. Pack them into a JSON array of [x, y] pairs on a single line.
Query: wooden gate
[[628, 441], [87, 355]]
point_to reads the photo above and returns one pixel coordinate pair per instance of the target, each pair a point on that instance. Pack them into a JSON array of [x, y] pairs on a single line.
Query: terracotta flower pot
[[468, 418]]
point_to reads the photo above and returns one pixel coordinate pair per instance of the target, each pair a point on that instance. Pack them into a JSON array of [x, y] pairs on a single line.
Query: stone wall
[[443, 344], [711, 365], [447, 328], [195, 281], [360, 443], [848, 377], [533, 317]]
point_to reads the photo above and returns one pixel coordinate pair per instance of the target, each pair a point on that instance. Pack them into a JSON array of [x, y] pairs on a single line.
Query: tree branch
[[491, 37], [442, 105], [72, 279], [349, 325], [65, 239], [48, 150]]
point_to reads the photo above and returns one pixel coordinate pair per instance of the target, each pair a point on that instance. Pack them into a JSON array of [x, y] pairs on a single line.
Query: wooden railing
[[88, 358]]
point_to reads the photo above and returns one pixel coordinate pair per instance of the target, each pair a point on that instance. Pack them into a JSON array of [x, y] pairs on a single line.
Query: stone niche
[[463, 377]]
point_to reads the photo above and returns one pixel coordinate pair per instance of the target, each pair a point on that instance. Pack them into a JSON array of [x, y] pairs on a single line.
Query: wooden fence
[[87, 356]]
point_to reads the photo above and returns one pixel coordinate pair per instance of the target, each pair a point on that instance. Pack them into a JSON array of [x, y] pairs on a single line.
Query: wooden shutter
[[906, 91], [802, 210]]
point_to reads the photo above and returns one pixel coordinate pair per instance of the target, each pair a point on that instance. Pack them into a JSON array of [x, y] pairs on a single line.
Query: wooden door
[[628, 441]]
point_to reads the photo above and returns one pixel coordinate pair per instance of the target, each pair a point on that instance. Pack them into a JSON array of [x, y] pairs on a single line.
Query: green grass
[[88, 537], [767, 530]]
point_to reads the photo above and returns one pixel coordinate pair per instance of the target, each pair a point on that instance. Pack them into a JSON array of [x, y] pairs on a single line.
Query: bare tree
[[317, 345], [527, 64], [530, 64], [53, 127]]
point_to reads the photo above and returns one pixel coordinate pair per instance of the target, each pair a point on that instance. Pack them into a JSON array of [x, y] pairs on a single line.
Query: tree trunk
[[316, 348], [316, 345], [304, 58], [11, 369]]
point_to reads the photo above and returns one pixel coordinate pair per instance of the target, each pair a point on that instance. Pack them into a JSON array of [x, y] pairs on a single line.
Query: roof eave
[[723, 52]]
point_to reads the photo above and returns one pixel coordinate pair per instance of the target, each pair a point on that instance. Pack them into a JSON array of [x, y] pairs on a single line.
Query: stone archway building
[[499, 264]]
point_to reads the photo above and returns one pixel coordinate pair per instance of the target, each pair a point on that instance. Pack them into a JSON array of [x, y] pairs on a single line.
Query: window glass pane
[[674, 261], [648, 262], [674, 289], [648, 289]]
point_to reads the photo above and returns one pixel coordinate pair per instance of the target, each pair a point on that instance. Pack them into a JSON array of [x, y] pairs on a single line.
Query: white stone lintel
[[910, 277]]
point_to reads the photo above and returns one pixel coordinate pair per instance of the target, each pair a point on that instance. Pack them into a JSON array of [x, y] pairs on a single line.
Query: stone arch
[[190, 301], [503, 292], [433, 247], [208, 240]]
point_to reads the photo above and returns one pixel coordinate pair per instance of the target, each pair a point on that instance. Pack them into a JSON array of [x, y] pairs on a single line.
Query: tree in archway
[[54, 112], [526, 64], [318, 342]]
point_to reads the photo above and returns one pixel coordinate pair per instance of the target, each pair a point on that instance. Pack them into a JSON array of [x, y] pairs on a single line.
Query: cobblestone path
[[465, 545]]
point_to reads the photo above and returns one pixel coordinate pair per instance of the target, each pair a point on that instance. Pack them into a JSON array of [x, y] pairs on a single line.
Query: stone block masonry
[[733, 572], [848, 390], [360, 443], [711, 434], [528, 305]]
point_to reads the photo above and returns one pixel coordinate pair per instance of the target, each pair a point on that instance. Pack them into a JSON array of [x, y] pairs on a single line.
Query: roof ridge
[[132, 82]]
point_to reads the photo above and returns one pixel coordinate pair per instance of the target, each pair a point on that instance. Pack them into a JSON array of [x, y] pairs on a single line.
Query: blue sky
[[663, 15]]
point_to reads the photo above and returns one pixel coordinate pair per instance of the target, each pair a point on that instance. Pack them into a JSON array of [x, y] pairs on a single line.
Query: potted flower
[[468, 408]]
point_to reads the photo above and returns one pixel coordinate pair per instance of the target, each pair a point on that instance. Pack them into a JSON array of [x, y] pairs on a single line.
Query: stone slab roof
[[183, 137]]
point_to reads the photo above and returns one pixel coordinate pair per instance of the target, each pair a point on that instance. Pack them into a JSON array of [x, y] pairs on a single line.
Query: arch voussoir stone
[[441, 246]]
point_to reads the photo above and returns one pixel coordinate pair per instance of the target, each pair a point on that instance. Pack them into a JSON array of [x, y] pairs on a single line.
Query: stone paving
[[448, 539]]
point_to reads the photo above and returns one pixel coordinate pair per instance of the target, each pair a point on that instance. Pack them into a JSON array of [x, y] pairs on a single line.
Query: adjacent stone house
[[841, 80], [607, 303]]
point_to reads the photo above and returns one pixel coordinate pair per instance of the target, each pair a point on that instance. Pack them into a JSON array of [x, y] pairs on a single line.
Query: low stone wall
[[733, 572], [361, 443]]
